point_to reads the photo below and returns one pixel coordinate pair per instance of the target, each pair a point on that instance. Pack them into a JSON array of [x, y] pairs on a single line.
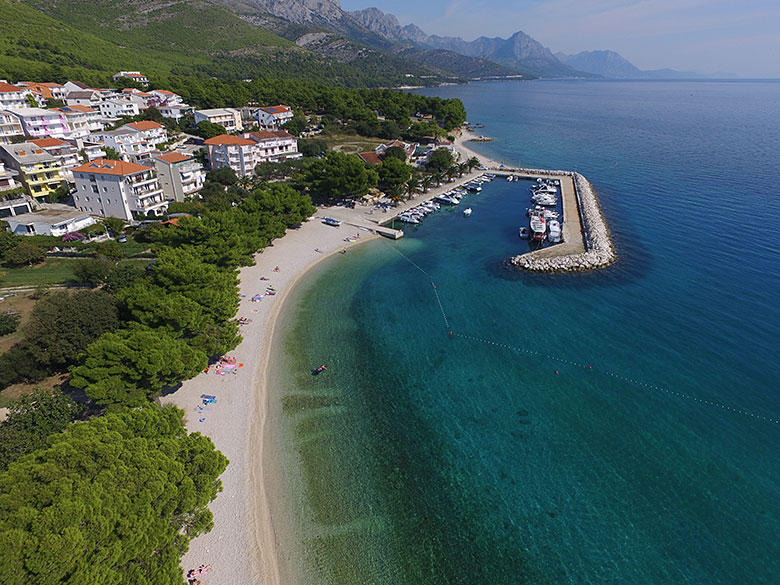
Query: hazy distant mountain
[[613, 65], [519, 52]]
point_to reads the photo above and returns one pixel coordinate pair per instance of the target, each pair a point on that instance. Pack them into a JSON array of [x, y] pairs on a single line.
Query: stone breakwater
[[599, 250]]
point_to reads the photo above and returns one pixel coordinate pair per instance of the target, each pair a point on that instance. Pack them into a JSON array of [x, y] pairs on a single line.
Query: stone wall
[[599, 251]]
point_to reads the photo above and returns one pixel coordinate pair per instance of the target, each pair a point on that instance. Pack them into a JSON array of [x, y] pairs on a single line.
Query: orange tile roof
[[266, 134], [370, 157], [224, 139], [104, 166], [276, 109], [174, 157], [68, 109], [164, 91], [8, 88], [44, 142], [145, 125]]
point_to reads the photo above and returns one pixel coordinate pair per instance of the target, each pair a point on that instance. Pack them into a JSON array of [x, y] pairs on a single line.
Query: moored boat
[[467, 211]]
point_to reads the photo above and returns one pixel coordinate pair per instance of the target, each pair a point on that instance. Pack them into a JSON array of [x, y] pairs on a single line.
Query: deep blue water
[[619, 426]]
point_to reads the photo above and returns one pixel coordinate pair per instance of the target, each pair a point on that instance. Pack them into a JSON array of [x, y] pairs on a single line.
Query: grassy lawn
[[351, 142], [50, 271]]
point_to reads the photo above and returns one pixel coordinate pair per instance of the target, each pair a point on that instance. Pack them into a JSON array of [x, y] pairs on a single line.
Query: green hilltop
[[61, 39]]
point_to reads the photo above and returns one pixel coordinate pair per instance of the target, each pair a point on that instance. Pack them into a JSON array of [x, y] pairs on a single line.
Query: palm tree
[[473, 163], [451, 172], [397, 193], [463, 168], [412, 187], [427, 182], [438, 177]]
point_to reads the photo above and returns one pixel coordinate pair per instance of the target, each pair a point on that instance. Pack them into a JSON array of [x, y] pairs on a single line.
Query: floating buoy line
[[588, 367]]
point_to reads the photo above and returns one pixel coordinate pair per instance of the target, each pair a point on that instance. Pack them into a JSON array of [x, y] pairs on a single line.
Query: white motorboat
[[538, 227], [408, 218], [555, 231], [523, 232], [467, 211]]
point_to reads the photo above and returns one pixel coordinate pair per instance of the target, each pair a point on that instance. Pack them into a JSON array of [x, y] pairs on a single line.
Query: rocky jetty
[[599, 251]]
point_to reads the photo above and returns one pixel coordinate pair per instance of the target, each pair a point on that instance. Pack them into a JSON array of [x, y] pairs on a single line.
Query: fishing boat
[[555, 231], [538, 227], [467, 211]]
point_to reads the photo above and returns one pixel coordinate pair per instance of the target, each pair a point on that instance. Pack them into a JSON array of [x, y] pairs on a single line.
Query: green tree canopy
[[25, 254], [339, 175], [63, 324], [396, 152], [112, 501], [31, 419], [394, 172], [440, 160], [206, 129], [132, 365]]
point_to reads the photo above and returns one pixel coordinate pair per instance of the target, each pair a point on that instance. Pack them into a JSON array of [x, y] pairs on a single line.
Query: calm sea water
[[619, 426]]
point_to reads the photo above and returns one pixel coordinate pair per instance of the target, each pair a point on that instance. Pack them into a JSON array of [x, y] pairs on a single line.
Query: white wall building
[[275, 145], [181, 176], [113, 188], [7, 181], [81, 120], [152, 132], [136, 76], [228, 118], [240, 154], [116, 108], [66, 153], [84, 97], [13, 97], [40, 123], [130, 144], [272, 117], [55, 222], [10, 126]]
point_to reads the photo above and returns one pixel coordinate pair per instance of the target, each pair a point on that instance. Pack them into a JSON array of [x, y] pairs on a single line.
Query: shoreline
[[242, 547]]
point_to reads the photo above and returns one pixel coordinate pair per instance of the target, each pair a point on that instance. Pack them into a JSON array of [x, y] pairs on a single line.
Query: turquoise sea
[[615, 427]]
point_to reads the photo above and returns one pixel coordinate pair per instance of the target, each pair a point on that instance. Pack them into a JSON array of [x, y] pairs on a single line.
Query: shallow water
[[613, 427]]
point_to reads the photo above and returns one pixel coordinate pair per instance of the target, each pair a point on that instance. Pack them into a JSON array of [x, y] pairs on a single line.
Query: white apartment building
[[272, 117], [240, 154], [181, 176], [164, 97], [275, 145], [84, 97], [176, 112], [134, 75], [10, 126], [64, 152], [152, 132], [131, 145], [113, 188], [40, 123], [116, 108], [56, 220], [228, 118], [46, 90], [7, 181], [13, 97], [81, 120]]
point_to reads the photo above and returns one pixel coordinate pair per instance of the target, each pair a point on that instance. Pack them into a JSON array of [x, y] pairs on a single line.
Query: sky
[[741, 37]]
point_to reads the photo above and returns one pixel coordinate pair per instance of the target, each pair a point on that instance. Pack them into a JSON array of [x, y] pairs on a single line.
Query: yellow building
[[39, 172]]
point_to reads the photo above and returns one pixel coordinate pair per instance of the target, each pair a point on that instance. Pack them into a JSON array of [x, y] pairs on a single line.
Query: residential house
[[114, 188], [10, 126], [92, 150], [55, 220], [140, 98], [240, 154], [75, 86], [136, 76], [273, 117], [181, 176], [228, 118], [40, 123], [90, 98], [130, 144], [47, 90], [65, 152], [116, 108], [163, 97], [175, 112], [370, 157], [408, 148], [81, 120], [39, 171], [275, 145], [13, 97], [152, 132], [7, 181]]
